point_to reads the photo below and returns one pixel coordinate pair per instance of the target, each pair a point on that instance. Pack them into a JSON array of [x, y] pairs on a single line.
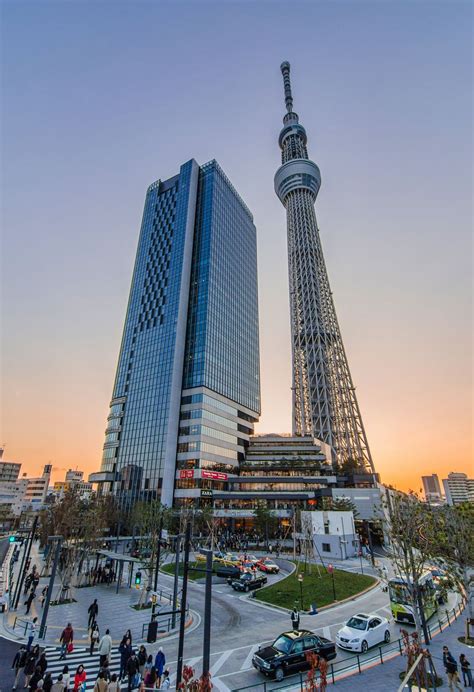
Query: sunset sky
[[99, 99]]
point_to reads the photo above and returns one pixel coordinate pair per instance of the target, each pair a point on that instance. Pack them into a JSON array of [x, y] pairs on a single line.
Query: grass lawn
[[169, 569], [316, 589]]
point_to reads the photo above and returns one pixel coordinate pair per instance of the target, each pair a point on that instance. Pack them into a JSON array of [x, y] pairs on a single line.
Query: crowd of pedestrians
[[138, 670], [452, 670]]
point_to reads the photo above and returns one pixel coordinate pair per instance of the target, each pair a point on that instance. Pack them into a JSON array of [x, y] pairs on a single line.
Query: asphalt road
[[240, 624]]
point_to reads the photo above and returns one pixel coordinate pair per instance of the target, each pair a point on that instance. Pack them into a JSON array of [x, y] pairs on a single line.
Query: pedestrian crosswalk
[[79, 656]]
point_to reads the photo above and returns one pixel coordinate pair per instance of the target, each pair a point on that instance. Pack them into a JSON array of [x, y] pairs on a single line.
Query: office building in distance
[[458, 488], [432, 488], [187, 389]]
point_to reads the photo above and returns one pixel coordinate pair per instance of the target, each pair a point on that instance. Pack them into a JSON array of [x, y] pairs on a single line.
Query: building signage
[[214, 475], [206, 493], [186, 473]]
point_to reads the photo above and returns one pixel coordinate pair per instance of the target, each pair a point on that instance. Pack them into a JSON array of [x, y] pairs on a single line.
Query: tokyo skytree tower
[[324, 399]]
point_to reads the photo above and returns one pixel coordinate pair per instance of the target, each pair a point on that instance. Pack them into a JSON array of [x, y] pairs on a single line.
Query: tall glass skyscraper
[[187, 388]]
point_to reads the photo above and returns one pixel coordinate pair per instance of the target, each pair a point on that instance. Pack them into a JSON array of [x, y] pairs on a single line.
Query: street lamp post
[[331, 572], [300, 579]]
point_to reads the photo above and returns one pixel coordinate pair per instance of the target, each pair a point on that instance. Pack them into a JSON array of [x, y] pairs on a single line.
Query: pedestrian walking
[[295, 619], [148, 665], [30, 665], [132, 672], [18, 664], [47, 682], [93, 611], [80, 679], [128, 635], [150, 679], [42, 663], [125, 651], [94, 637], [66, 678], [105, 671], [29, 601], [466, 671], [160, 660], [31, 636], [44, 593], [142, 657], [35, 678], [100, 684], [166, 680], [105, 647], [66, 640], [58, 686], [114, 684], [451, 669]]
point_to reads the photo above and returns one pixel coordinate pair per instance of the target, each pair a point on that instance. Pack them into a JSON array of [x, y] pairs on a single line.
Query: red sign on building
[[186, 473], [214, 475]]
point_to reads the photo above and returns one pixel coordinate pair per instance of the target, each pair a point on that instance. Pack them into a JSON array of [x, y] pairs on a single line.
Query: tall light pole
[[300, 579], [59, 539]]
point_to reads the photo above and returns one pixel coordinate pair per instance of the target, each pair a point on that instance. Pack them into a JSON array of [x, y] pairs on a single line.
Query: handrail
[[410, 672]]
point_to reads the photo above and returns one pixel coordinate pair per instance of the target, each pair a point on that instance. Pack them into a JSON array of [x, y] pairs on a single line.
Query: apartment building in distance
[[458, 488]]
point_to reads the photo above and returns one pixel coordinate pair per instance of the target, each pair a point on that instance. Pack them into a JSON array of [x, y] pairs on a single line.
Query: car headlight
[[354, 641], [266, 664]]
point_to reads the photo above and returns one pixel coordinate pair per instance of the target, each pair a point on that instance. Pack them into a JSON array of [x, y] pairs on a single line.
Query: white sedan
[[363, 631]]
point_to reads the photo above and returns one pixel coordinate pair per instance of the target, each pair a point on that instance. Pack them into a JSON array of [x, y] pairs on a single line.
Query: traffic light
[[12, 539], [138, 579]]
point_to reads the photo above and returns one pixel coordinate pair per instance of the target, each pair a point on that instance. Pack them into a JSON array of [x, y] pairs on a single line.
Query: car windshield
[[357, 624], [282, 644]]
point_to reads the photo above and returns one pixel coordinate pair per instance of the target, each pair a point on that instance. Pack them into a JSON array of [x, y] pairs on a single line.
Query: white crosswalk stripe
[[74, 659]]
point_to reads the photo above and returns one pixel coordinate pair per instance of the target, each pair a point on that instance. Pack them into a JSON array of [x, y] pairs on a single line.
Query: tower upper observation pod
[[297, 171], [324, 400]]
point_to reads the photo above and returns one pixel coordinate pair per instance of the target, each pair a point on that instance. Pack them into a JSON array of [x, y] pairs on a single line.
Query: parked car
[[228, 571], [363, 631], [248, 581], [266, 564], [288, 652]]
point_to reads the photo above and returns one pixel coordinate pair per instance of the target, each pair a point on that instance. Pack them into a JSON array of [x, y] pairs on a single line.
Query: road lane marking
[[220, 685], [327, 632], [245, 665], [220, 661]]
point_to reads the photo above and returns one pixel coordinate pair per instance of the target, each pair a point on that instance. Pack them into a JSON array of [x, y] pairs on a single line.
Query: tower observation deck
[[324, 399]]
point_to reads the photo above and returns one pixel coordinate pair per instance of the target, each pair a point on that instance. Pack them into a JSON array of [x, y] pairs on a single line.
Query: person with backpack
[[451, 668], [19, 663], [66, 640]]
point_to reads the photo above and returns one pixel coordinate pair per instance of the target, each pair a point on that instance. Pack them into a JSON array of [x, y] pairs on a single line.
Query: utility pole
[[25, 568], [59, 539], [176, 576], [158, 554], [184, 593], [206, 649]]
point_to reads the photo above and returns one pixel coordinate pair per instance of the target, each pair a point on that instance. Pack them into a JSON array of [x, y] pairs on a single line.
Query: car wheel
[[364, 647], [386, 637], [279, 674]]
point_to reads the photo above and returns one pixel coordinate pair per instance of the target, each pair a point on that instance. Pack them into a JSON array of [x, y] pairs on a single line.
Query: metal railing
[[24, 624], [357, 663]]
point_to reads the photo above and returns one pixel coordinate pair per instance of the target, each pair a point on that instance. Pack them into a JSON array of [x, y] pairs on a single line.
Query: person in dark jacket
[[47, 682], [451, 669], [66, 639], [93, 611], [126, 651], [35, 678], [466, 671], [30, 664], [42, 663], [19, 663], [132, 670], [142, 657], [29, 601]]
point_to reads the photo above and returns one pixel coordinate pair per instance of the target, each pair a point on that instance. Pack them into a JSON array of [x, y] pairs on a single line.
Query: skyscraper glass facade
[[191, 329]]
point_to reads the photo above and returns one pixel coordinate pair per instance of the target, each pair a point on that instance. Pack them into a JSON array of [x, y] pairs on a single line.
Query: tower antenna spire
[[285, 70]]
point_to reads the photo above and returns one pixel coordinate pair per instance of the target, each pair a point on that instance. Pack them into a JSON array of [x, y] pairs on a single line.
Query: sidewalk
[[386, 676], [115, 611]]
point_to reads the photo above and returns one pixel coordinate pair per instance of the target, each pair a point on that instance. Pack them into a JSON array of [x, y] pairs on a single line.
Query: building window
[[326, 547]]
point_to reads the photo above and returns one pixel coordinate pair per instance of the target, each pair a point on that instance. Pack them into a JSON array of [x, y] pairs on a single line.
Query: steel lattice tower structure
[[324, 399]]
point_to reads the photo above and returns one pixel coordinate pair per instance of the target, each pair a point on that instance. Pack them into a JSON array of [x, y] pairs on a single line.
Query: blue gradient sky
[[99, 99]]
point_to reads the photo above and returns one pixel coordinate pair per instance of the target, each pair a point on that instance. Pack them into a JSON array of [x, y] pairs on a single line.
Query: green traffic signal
[[12, 539]]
